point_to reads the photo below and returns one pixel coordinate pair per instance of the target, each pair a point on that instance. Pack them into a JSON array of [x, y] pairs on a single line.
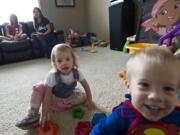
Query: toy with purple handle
[[170, 35]]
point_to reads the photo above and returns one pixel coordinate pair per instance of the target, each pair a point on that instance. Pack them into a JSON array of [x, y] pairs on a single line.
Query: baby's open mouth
[[170, 18], [65, 68], [154, 110]]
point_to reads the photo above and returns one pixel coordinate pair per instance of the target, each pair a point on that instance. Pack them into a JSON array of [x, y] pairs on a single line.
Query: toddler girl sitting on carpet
[[58, 91]]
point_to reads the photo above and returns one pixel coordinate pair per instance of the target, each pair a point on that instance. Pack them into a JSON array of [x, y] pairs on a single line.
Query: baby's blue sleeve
[[114, 124]]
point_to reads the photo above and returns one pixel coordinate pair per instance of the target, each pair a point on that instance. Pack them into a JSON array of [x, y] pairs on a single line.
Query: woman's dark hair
[[11, 21], [35, 19]]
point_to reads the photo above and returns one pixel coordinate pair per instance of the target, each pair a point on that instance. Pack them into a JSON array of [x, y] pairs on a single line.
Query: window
[[22, 8]]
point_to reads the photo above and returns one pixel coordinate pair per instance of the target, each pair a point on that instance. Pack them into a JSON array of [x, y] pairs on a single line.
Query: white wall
[[66, 17], [86, 16], [98, 18]]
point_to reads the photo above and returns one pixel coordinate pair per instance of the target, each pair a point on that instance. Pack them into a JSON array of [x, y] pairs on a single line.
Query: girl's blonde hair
[[62, 48], [152, 55], [13, 16], [35, 23]]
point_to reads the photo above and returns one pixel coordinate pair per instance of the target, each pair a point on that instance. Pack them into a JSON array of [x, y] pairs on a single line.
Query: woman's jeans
[[46, 42]]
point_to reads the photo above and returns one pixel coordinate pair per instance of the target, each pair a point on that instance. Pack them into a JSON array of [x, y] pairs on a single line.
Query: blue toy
[[97, 117]]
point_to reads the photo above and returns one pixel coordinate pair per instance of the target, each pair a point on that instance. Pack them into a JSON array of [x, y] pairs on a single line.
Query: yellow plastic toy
[[93, 48], [133, 47], [137, 46], [129, 40], [122, 75]]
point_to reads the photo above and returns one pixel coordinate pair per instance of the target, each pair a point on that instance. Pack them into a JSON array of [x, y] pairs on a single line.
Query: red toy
[[50, 128], [83, 128]]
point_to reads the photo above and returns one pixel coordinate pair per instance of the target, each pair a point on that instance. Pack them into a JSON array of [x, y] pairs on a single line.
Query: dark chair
[[59, 34], [1, 58], [13, 51], [1, 30]]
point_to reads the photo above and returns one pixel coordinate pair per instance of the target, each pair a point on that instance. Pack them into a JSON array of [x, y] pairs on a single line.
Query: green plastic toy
[[78, 113], [129, 40]]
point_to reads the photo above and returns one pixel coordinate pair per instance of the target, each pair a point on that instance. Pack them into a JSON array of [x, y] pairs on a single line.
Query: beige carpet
[[16, 80]]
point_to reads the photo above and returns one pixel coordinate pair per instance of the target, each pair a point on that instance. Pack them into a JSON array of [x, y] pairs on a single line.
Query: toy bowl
[[137, 46]]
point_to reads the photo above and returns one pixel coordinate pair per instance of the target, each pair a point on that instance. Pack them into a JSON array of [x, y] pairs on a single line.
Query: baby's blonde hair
[[62, 48], [152, 55]]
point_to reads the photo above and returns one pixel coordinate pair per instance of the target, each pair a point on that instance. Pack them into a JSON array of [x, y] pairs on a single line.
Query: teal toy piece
[[78, 113]]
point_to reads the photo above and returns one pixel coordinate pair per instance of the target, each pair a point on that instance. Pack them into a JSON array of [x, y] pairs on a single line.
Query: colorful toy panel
[[83, 128], [78, 113], [50, 128]]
